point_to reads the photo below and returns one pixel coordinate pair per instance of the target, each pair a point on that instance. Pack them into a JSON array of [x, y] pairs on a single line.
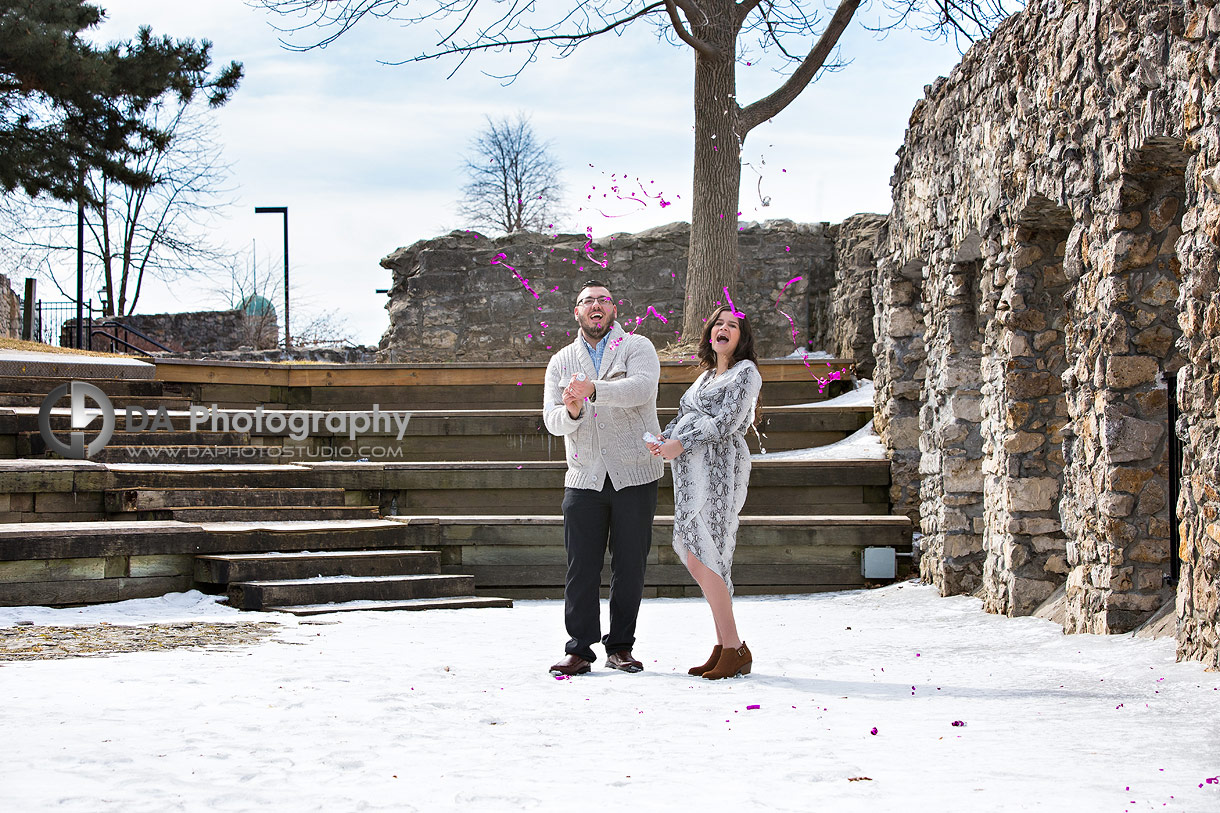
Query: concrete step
[[223, 568], [456, 603], [257, 595], [523, 556], [278, 513], [147, 499]]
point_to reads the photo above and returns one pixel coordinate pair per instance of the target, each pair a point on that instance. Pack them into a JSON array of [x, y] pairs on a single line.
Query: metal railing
[[50, 319], [110, 329]]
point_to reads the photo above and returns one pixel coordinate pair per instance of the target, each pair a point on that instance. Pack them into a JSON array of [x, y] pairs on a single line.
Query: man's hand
[[572, 403], [579, 389]]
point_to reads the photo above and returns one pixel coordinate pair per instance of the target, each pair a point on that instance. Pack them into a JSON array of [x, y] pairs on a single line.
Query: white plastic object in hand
[[651, 438], [581, 377]]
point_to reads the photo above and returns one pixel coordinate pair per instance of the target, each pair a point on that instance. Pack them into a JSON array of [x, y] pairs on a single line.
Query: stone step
[[223, 568], [257, 595], [456, 603], [523, 556], [239, 513], [147, 499]]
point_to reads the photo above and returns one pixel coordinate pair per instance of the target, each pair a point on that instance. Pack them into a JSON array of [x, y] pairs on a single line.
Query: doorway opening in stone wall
[[1026, 546], [1138, 499]]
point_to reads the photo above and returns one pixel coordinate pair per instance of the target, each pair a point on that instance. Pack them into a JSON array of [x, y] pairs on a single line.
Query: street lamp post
[[281, 210]]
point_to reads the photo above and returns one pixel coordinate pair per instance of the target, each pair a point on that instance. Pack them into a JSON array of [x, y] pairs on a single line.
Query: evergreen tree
[[69, 108]]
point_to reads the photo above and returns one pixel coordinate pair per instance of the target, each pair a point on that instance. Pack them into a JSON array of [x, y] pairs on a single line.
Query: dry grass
[[36, 347]]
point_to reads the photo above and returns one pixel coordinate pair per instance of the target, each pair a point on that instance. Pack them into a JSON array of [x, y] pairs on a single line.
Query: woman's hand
[[666, 449]]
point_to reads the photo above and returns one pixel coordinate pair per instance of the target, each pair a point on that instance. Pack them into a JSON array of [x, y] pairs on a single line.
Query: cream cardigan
[[608, 436]]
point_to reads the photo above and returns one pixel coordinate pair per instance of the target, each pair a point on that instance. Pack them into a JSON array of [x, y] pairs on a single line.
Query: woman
[[711, 468]]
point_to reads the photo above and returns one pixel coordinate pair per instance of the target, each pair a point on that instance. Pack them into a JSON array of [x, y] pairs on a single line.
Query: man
[[601, 396]]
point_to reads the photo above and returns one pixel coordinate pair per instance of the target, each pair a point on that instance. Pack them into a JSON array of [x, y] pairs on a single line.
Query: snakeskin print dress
[[713, 471]]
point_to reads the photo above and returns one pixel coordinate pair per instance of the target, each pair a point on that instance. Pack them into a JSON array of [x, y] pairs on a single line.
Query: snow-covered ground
[[863, 444], [851, 707]]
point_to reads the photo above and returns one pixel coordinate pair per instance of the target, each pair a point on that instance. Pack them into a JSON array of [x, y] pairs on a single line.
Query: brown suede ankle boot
[[733, 662], [711, 662]]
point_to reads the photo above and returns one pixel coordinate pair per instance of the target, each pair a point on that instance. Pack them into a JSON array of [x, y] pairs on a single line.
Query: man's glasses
[[589, 300]]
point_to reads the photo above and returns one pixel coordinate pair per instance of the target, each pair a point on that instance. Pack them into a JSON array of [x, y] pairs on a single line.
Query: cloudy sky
[[367, 156]]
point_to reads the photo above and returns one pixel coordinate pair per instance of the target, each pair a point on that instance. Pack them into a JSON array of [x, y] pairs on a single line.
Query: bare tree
[[720, 32], [252, 290], [134, 232], [514, 181]]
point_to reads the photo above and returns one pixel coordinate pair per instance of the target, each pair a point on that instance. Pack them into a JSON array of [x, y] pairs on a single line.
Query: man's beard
[[594, 332]]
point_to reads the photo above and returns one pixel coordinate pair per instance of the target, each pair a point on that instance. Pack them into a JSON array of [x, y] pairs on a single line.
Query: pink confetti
[[756, 706], [732, 307], [874, 731], [957, 723]]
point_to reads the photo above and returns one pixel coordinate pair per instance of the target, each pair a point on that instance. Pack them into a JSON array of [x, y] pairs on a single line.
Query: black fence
[[50, 319]]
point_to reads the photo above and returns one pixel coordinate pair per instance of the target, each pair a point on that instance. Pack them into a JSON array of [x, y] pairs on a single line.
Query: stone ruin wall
[[463, 297], [200, 332], [1050, 266], [10, 310]]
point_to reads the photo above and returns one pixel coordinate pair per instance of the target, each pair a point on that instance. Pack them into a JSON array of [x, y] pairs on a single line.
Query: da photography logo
[[81, 418]]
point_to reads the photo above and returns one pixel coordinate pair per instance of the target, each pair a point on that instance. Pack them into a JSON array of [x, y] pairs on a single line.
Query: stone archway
[[1026, 551], [1116, 485]]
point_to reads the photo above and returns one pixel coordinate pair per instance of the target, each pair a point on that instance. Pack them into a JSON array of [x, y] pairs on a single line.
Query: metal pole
[[80, 274], [281, 210]]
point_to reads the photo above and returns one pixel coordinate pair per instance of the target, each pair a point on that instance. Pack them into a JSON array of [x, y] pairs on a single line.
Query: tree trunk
[[713, 261]]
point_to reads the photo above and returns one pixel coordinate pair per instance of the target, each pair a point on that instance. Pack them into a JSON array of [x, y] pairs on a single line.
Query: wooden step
[[456, 603], [256, 595], [776, 487], [194, 454], [146, 499], [523, 557], [263, 536], [241, 513], [223, 568], [112, 386], [119, 402]]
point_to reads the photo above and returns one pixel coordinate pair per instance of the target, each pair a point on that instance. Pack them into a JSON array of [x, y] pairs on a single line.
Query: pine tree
[[69, 108]]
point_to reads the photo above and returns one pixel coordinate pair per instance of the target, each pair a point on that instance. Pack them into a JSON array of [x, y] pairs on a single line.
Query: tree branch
[[570, 39], [744, 8], [768, 106], [709, 51]]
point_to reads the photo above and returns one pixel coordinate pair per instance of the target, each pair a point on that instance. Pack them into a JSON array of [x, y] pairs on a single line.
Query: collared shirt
[[596, 353]]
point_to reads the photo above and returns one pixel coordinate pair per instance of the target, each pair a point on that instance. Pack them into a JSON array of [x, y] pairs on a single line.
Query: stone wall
[[1050, 265], [10, 310], [857, 247], [202, 331], [469, 298]]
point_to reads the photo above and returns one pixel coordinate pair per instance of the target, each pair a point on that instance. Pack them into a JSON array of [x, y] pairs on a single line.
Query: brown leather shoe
[[732, 663], [623, 662], [698, 671], [571, 665]]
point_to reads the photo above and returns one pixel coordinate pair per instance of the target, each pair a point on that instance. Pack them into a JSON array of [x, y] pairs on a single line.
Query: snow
[[863, 444], [449, 710]]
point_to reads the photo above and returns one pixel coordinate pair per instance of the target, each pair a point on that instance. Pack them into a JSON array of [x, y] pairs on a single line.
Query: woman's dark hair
[[745, 345], [744, 351]]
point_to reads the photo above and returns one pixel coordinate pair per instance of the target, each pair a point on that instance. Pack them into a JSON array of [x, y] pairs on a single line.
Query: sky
[[367, 156], [892, 699]]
